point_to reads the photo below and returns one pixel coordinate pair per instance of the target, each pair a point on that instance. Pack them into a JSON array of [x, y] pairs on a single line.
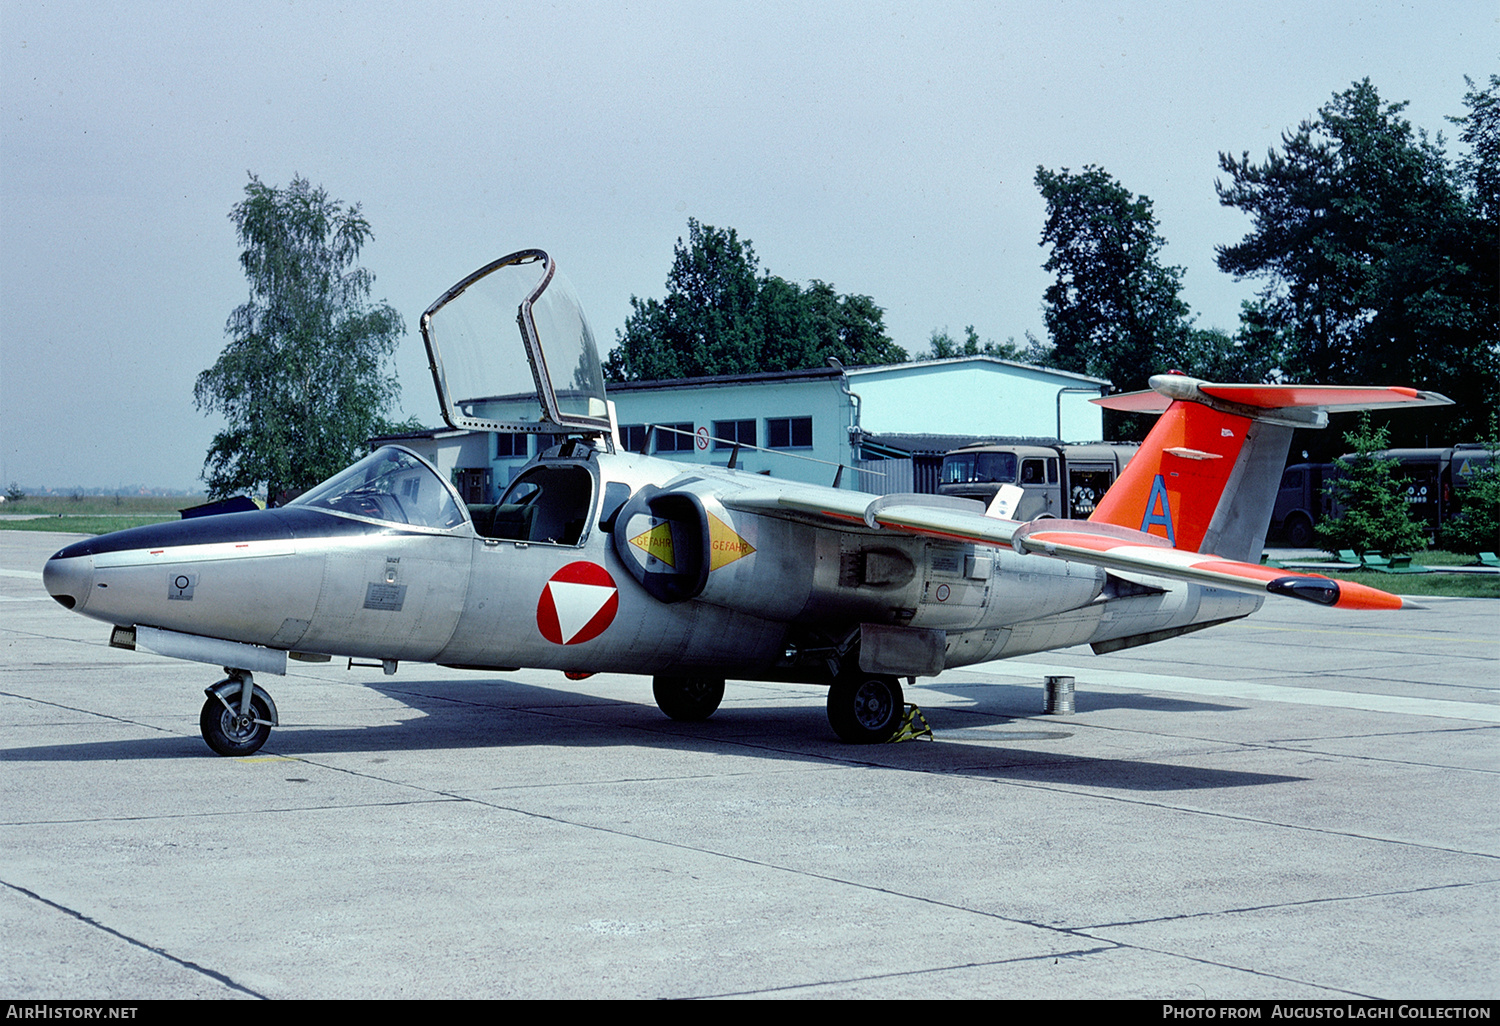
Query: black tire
[[865, 708], [1298, 530], [224, 731], [688, 698]]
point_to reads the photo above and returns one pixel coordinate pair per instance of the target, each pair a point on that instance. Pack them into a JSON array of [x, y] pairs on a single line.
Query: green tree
[[1372, 500], [942, 346], [1254, 353], [1480, 131], [1479, 251], [721, 315], [303, 380], [1114, 310], [850, 328], [1368, 248]]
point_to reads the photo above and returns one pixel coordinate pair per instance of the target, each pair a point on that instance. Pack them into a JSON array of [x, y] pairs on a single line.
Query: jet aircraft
[[597, 559]]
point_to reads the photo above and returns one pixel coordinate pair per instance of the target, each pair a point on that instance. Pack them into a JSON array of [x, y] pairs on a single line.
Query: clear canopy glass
[[390, 485], [512, 351]]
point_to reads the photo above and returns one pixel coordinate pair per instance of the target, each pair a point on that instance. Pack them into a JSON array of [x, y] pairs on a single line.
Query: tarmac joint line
[[160, 953]]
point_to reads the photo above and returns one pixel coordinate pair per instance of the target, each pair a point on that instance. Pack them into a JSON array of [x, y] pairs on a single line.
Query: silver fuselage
[[319, 582]]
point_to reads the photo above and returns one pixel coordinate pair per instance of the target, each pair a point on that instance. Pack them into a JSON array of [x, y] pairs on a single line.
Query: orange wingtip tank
[[1327, 592], [1359, 596]]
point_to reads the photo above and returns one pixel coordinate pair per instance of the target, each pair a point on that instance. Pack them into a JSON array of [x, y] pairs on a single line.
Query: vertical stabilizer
[[1206, 476]]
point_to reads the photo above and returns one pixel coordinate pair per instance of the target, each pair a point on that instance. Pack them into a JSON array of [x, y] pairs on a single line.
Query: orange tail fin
[[1206, 476]]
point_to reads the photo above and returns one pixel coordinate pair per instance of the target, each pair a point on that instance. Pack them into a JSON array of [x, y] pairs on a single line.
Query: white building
[[804, 425]]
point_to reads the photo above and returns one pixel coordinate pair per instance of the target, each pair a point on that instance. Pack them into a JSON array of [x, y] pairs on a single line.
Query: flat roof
[[948, 360], [830, 373], [928, 444], [757, 378]]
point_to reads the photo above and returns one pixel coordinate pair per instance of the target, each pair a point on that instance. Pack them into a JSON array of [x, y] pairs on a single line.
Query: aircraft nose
[[68, 579]]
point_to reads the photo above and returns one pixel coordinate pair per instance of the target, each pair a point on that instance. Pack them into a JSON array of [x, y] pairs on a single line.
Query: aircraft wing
[[1119, 548], [931, 515], [1081, 541], [1209, 466]]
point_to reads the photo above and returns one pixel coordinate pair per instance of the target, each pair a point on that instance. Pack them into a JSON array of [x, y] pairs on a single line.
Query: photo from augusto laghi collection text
[[1480, 1010]]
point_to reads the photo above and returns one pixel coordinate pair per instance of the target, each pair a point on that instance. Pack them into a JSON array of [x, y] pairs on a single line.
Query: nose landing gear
[[238, 715]]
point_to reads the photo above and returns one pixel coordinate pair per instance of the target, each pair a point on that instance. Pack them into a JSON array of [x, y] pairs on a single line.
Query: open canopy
[[511, 351]]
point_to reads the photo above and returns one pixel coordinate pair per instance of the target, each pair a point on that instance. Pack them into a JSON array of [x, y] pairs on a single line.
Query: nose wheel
[[237, 716]]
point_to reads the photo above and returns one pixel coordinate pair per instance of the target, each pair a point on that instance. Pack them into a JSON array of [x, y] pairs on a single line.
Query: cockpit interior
[[549, 503]]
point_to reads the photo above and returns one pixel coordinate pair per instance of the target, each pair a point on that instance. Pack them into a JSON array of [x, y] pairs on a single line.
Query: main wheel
[[865, 708], [229, 733], [688, 698]]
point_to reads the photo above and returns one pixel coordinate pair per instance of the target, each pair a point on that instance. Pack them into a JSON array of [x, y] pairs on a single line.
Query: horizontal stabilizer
[[1295, 405]]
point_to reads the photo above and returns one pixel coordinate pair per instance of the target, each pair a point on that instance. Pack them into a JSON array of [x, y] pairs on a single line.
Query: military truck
[[1057, 479]]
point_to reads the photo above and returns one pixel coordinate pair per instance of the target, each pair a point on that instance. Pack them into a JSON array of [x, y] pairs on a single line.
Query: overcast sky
[[887, 148]]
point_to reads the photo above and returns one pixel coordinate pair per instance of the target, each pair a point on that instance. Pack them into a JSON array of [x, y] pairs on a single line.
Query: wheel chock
[[913, 726]]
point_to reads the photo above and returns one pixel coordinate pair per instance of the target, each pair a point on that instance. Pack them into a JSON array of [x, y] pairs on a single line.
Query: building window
[[729, 433], [789, 432], [678, 440], [510, 446], [632, 437]]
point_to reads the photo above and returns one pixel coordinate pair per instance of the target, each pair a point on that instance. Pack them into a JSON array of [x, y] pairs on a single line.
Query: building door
[[473, 484]]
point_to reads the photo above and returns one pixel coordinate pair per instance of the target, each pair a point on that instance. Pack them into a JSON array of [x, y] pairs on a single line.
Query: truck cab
[[1057, 479]]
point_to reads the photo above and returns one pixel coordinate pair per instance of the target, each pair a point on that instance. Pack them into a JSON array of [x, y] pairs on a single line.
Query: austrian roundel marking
[[578, 603]]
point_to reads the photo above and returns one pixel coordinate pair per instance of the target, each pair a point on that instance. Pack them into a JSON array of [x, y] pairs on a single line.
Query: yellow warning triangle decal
[[724, 546], [657, 542]]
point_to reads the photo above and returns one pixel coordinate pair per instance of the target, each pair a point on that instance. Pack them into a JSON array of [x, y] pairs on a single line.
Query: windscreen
[[979, 467], [512, 351], [390, 485]]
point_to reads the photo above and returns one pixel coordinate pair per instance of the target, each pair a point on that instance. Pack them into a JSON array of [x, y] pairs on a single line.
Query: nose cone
[[68, 578]]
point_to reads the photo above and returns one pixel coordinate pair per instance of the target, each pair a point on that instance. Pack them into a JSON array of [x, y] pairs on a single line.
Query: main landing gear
[[238, 716], [688, 698], [865, 708]]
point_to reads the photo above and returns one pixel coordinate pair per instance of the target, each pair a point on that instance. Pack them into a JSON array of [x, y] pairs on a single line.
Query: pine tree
[[1374, 515]]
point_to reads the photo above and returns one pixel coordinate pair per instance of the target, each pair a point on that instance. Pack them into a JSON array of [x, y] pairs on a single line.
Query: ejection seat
[[511, 520], [546, 504]]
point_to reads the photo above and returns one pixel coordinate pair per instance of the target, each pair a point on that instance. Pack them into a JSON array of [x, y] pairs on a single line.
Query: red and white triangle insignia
[[577, 604]]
